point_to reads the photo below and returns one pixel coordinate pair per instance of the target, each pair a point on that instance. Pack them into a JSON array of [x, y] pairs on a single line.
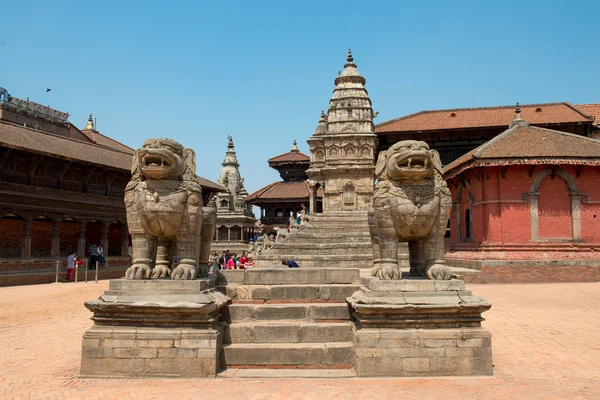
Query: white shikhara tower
[[342, 149], [235, 220]]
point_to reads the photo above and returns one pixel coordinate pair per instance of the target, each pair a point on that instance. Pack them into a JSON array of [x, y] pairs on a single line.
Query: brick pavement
[[546, 345]]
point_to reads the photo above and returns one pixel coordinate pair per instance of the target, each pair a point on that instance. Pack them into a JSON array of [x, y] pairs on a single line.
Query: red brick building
[[526, 206]]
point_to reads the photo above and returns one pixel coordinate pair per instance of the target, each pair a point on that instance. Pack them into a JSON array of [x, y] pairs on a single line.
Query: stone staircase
[[332, 240], [290, 319]]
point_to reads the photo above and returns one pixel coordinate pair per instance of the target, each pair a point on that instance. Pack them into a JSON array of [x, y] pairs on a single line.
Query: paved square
[[546, 345]]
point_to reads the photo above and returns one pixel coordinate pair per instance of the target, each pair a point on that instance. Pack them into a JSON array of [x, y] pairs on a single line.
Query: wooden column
[[104, 240], [81, 241], [55, 250], [26, 244]]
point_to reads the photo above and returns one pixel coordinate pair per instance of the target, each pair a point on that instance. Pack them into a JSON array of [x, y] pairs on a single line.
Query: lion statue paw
[[184, 272], [138, 272], [160, 271], [389, 271], [439, 272]]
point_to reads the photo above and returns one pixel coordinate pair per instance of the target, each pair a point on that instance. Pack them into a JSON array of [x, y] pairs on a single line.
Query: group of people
[[228, 260], [96, 255]]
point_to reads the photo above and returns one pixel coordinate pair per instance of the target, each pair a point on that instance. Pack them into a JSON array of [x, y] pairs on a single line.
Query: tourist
[[243, 260], [71, 260], [101, 254], [213, 262], [93, 255], [231, 262], [223, 260], [290, 263], [304, 209], [298, 215]]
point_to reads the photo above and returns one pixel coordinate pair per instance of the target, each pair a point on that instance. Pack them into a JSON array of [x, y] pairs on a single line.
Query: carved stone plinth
[[419, 327], [155, 328]]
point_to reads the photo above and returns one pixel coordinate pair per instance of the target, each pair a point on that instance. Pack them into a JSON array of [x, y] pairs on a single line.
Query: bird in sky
[[47, 90]]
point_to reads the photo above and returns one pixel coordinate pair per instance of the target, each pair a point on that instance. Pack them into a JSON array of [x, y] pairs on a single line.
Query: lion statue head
[[408, 161], [164, 159]]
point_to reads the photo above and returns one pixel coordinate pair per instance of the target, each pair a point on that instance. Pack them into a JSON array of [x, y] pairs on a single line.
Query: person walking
[[93, 256], [71, 260]]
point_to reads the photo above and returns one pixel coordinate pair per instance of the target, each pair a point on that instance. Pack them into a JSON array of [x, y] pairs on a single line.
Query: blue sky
[[261, 71]]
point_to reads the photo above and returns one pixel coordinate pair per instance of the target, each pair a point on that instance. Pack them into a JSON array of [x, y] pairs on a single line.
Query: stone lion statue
[[164, 208], [411, 204]]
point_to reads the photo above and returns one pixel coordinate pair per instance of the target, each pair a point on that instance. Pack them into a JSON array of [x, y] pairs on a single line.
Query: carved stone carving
[[411, 204], [163, 201]]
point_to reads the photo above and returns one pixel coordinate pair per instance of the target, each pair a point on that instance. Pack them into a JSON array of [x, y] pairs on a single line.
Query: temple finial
[[90, 123], [295, 147], [230, 144], [350, 60], [517, 119]]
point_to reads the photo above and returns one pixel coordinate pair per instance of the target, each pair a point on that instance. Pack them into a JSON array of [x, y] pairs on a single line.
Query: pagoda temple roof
[[523, 144], [485, 117], [293, 156], [287, 191]]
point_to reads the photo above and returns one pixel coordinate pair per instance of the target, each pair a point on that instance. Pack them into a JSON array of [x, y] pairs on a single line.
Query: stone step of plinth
[[290, 276], [323, 248], [307, 355], [277, 371], [313, 312], [321, 260], [288, 332], [328, 236], [272, 293]]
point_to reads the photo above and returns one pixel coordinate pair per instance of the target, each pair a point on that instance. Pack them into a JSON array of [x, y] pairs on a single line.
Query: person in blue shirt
[[290, 263]]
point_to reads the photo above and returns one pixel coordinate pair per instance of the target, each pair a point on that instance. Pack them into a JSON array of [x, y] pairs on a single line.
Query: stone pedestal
[[419, 327], [155, 328]]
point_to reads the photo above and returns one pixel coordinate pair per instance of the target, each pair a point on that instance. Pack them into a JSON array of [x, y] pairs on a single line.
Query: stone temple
[[342, 148]]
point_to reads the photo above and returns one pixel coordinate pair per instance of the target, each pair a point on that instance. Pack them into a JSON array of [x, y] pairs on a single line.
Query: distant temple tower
[[342, 149], [235, 220]]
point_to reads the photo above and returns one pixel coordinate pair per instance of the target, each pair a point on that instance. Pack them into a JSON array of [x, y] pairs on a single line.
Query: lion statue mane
[[165, 214], [411, 203]]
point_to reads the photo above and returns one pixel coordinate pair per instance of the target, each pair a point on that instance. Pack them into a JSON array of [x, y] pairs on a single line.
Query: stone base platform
[[155, 328], [419, 327]]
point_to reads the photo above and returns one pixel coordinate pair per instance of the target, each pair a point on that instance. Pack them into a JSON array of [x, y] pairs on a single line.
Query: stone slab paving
[[546, 345]]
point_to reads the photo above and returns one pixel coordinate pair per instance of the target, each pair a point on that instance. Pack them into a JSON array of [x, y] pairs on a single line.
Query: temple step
[[297, 355], [275, 371], [312, 312], [279, 293], [288, 332]]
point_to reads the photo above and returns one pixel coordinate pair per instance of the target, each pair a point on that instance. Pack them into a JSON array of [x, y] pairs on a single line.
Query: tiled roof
[[529, 145], [18, 137], [592, 110], [27, 139], [291, 156], [292, 190], [462, 118], [99, 138]]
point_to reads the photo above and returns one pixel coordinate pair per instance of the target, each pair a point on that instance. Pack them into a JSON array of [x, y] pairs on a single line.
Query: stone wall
[[423, 352]]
